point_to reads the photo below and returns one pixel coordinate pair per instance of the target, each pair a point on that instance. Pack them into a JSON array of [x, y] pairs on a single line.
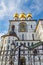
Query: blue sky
[[9, 7]]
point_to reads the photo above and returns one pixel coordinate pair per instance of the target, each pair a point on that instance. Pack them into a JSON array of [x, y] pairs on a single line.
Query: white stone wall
[[39, 30], [28, 34], [27, 39], [5, 41]]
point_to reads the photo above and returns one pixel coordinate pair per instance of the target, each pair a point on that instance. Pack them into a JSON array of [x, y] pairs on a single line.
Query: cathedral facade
[[23, 43]]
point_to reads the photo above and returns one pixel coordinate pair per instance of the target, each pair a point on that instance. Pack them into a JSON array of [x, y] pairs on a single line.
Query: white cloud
[[9, 8], [36, 7], [12, 6], [3, 10]]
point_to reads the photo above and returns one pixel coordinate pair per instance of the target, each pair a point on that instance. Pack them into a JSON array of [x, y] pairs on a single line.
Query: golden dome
[[16, 15], [29, 15], [22, 15]]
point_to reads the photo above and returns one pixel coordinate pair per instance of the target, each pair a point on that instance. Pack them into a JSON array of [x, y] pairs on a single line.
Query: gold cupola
[[16, 15], [22, 15], [29, 15]]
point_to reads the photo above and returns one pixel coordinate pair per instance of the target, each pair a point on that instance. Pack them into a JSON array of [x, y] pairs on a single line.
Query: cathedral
[[23, 43]]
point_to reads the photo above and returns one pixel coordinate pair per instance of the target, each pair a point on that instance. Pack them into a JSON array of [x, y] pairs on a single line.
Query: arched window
[[13, 27], [24, 44], [33, 36], [8, 41], [31, 26], [28, 43], [17, 43], [22, 36], [8, 47], [23, 27]]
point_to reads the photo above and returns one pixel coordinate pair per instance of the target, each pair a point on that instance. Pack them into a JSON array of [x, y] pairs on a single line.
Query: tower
[[18, 43]]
